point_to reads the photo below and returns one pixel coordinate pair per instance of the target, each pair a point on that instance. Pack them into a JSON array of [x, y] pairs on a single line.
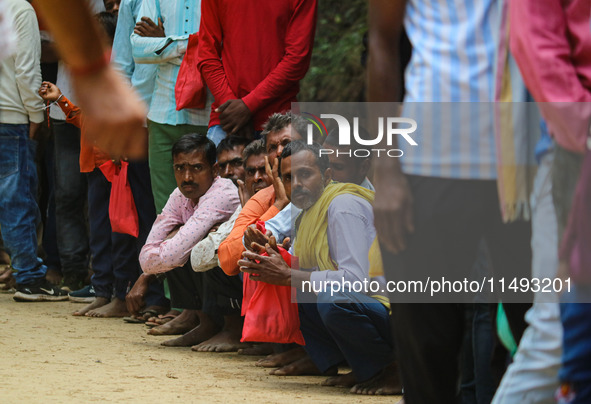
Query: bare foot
[[205, 330], [117, 308], [224, 341], [282, 359], [98, 302], [184, 322], [4, 258], [302, 367], [5, 273], [345, 380], [386, 382], [53, 276], [265, 348], [227, 340]]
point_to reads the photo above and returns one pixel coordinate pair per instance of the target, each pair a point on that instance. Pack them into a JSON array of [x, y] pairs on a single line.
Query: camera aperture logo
[[361, 146]]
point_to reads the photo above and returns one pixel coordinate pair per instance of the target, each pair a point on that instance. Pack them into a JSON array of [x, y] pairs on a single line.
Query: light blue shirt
[[180, 18], [453, 59], [141, 76]]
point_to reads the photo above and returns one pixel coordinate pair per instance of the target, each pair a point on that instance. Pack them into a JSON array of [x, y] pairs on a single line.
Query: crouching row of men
[[317, 209]]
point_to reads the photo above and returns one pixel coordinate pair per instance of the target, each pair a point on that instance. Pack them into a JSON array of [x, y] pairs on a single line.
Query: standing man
[[252, 58], [177, 20], [21, 112], [437, 202]]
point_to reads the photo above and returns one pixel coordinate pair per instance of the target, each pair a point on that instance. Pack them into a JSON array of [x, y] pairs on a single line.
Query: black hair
[[254, 149], [230, 142], [278, 122], [109, 23], [193, 141], [298, 145]]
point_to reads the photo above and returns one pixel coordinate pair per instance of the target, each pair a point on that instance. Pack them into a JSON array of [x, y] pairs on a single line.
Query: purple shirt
[[215, 206]]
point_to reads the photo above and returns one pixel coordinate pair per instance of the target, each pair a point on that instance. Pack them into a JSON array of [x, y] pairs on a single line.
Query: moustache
[[184, 184], [295, 194]]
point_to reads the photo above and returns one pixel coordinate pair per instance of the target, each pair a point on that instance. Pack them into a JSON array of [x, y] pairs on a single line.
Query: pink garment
[[215, 206], [551, 42]]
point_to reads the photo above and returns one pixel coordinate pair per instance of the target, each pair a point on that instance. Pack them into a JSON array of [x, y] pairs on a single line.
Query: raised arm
[[114, 114]]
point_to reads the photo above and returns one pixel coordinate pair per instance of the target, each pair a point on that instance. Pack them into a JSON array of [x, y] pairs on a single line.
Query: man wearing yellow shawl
[[341, 318]]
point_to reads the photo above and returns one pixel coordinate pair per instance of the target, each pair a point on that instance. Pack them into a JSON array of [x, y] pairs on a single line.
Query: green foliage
[[336, 73]]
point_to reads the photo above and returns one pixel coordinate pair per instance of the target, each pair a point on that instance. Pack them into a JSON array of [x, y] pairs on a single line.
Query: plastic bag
[[270, 312], [190, 91], [122, 210]]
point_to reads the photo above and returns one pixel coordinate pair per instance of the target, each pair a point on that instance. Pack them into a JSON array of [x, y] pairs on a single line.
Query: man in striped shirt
[[177, 20], [435, 204]]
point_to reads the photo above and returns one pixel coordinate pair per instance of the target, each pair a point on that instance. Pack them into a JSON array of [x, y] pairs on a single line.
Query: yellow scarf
[[311, 243]]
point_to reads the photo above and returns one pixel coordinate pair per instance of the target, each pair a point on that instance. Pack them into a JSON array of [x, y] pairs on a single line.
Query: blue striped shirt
[[450, 88], [180, 18], [142, 76]]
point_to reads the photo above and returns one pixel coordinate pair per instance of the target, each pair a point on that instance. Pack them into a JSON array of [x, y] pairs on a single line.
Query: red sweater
[[266, 51]]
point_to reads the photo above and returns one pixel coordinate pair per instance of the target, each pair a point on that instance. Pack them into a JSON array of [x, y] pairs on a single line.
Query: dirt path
[[47, 355]]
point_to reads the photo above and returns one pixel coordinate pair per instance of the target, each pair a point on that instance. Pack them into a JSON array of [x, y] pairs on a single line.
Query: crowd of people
[[182, 189]]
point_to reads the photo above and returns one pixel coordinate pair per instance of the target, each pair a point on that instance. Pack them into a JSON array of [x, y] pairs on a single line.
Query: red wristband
[[93, 67]]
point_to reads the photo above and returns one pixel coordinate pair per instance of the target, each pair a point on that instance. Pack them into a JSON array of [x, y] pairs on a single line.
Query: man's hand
[[393, 210], [255, 240], [134, 300], [114, 115], [34, 130], [147, 28], [269, 269], [243, 193], [281, 199], [49, 91], [234, 114]]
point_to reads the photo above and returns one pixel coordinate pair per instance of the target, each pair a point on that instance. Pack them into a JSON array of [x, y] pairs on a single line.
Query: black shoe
[[84, 295], [40, 291]]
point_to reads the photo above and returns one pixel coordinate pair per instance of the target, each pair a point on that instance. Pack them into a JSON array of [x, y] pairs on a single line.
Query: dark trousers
[[70, 200], [114, 255], [138, 176], [450, 219], [214, 292], [347, 327]]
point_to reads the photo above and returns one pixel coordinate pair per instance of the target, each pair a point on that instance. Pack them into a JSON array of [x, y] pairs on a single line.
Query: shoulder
[[351, 204], [222, 186]]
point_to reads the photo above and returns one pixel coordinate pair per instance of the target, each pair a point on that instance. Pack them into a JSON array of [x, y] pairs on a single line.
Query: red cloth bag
[[190, 91], [270, 312], [122, 210]]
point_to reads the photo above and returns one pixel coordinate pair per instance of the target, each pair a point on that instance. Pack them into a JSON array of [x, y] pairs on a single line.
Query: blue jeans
[[347, 326], [70, 199], [19, 213]]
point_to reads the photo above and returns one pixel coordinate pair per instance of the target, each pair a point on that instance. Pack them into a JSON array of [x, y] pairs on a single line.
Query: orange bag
[[190, 91], [122, 210], [270, 314]]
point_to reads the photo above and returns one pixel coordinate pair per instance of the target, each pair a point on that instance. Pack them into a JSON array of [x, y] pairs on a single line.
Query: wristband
[[93, 67]]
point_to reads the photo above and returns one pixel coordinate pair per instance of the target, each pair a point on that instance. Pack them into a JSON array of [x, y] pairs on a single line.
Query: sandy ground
[[47, 355]]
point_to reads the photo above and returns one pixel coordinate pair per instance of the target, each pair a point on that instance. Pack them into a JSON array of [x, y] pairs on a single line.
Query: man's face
[[112, 6], [193, 173], [276, 141], [231, 165], [302, 178], [345, 168], [256, 177]]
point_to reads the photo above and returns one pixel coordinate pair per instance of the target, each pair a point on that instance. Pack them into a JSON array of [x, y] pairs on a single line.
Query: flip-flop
[[5, 273], [142, 317]]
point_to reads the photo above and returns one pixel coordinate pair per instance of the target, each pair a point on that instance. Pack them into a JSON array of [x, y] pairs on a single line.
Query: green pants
[[161, 139]]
